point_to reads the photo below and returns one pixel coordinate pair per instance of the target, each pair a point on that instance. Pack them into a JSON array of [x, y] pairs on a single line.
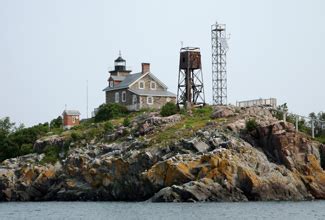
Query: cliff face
[[217, 161]]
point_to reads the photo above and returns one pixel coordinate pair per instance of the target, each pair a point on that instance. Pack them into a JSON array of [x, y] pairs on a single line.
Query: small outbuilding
[[71, 118]]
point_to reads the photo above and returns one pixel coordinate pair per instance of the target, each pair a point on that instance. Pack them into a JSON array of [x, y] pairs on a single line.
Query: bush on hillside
[[110, 111], [108, 126], [18, 141], [251, 125], [168, 109], [126, 122], [56, 123]]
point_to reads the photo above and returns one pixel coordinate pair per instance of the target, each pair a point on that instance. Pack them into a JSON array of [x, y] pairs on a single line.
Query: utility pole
[[87, 99]]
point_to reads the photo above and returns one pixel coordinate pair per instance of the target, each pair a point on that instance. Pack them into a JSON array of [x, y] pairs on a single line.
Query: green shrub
[[26, 149], [92, 133], [126, 122], [51, 154], [75, 136], [16, 142], [168, 109], [108, 126], [56, 123], [251, 125], [110, 111]]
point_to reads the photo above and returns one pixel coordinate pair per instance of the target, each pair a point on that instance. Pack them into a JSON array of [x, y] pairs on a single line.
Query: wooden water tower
[[190, 78]]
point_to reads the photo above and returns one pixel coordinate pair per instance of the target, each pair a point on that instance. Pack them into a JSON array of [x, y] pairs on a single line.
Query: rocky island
[[209, 154]]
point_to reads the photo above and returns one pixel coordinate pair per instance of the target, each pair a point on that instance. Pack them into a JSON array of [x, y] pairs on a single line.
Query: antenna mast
[[219, 64], [87, 98]]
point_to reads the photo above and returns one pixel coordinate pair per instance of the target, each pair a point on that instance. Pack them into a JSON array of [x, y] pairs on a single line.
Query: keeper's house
[[137, 90]]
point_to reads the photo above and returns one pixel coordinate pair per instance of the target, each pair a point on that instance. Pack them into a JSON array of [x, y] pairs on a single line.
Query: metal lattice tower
[[190, 78], [219, 64]]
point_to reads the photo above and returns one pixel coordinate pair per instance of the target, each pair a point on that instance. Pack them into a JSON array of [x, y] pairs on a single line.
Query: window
[[124, 96], [168, 99], [149, 100], [153, 85], [141, 85], [117, 97], [111, 83], [134, 99], [73, 119]]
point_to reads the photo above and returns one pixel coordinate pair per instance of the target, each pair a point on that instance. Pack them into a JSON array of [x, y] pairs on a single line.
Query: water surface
[[145, 210]]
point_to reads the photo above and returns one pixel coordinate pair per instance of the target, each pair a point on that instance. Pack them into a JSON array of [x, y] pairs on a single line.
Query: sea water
[[146, 210]]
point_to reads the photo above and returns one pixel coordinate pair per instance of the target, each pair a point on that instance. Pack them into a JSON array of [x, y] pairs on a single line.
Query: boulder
[[198, 191], [195, 145], [41, 145], [222, 112]]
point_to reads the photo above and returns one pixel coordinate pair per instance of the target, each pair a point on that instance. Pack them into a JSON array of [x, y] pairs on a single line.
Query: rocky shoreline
[[221, 161]]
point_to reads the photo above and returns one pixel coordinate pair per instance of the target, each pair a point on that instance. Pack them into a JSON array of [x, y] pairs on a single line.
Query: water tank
[[190, 58]]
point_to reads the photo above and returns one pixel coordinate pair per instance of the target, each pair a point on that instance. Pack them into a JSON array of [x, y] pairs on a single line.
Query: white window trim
[[117, 97], [150, 103], [111, 83], [153, 83], [144, 85], [124, 96]]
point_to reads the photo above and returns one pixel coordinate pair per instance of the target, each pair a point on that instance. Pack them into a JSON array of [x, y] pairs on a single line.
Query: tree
[[6, 127], [110, 111], [321, 116], [56, 123], [312, 115], [18, 141], [280, 110]]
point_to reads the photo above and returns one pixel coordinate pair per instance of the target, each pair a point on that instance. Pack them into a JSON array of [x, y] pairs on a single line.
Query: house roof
[[71, 112], [153, 92], [126, 82], [131, 79], [152, 76]]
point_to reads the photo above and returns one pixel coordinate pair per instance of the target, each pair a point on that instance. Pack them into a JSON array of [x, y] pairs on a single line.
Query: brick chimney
[[145, 67]]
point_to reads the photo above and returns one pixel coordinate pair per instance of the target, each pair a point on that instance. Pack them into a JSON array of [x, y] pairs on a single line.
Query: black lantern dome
[[120, 63]]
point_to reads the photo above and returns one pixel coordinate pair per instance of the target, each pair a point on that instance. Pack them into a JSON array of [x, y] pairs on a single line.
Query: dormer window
[[141, 85], [153, 85], [111, 83]]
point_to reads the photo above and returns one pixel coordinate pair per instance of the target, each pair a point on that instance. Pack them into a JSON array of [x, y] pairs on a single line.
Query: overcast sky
[[49, 49]]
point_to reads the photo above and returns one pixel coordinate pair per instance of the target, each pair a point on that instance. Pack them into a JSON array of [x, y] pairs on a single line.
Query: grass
[[321, 139], [183, 129]]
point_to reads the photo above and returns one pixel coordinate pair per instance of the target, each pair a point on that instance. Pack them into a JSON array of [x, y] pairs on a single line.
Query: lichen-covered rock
[[222, 112], [53, 140], [203, 190], [147, 125]]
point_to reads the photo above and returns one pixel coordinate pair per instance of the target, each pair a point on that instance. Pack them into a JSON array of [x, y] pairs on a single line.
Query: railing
[[297, 117], [111, 68], [271, 102]]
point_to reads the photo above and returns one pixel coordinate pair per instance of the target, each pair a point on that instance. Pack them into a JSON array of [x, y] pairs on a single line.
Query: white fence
[[311, 120], [271, 102]]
